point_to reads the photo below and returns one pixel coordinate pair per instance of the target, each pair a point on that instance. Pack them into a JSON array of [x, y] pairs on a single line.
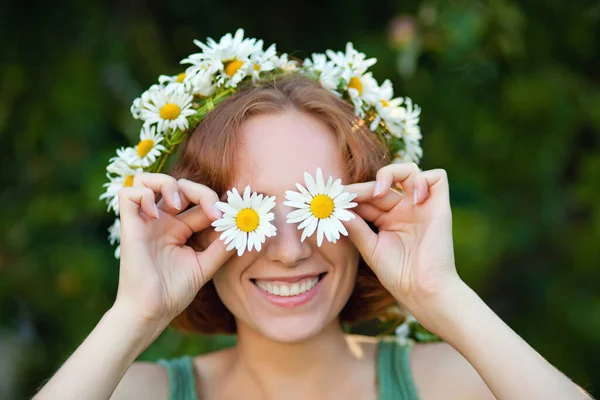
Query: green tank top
[[394, 377]]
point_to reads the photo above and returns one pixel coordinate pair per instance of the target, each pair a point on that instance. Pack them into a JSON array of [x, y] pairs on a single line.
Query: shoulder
[[211, 371], [364, 347], [143, 380], [453, 375]]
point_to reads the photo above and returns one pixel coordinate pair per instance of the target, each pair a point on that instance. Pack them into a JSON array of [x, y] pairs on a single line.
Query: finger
[[212, 258], [178, 198], [363, 237], [135, 198], [165, 185], [404, 174], [364, 191], [202, 195], [437, 184], [195, 218], [421, 192], [368, 211]]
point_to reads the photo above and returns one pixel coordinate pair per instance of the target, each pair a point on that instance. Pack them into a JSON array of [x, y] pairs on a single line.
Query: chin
[[291, 329]]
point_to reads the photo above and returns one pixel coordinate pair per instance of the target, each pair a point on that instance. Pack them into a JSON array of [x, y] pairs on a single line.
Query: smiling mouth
[[287, 289]]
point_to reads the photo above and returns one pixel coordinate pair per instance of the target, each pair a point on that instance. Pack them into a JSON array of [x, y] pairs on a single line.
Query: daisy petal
[[250, 241], [320, 233], [320, 183], [310, 184], [343, 215], [305, 192], [336, 188], [310, 229], [339, 226], [307, 221]]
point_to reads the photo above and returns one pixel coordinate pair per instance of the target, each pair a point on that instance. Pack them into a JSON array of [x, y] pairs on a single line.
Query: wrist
[[439, 311], [139, 332]]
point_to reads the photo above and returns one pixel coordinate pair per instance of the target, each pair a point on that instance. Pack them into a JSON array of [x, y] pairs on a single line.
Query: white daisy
[[226, 58], [411, 120], [120, 174], [388, 109], [166, 80], [168, 107], [412, 152], [321, 207], [137, 105], [362, 88], [261, 61], [352, 63], [328, 73], [146, 151], [114, 236], [202, 83], [284, 64], [245, 221]]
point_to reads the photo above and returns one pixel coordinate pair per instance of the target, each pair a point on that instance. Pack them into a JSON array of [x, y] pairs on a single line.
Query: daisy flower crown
[[172, 108]]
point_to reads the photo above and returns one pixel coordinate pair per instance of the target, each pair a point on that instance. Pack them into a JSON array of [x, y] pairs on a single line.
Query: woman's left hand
[[412, 254]]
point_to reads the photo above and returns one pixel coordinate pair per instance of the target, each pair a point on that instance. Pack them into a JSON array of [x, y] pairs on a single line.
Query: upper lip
[[289, 279]]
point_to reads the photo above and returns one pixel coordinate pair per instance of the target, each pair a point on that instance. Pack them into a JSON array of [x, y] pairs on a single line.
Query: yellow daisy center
[[128, 180], [144, 147], [322, 206], [232, 67], [384, 103], [355, 83], [180, 77], [170, 111], [256, 67], [247, 220]]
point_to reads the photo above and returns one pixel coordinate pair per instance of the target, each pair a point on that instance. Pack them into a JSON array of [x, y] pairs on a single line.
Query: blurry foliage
[[511, 109]]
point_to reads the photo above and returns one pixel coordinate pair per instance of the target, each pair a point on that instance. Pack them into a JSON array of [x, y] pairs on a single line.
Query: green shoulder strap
[[181, 378], [393, 369]]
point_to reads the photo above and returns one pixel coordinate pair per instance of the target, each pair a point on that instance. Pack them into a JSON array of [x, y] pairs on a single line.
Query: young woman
[[287, 299]]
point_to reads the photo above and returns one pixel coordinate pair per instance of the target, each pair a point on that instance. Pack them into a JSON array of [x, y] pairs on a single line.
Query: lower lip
[[291, 301]]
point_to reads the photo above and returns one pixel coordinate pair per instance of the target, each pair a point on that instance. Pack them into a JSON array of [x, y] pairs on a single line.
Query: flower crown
[[171, 109]]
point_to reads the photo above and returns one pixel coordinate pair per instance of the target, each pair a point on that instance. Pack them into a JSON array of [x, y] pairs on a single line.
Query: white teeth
[[294, 290], [283, 289]]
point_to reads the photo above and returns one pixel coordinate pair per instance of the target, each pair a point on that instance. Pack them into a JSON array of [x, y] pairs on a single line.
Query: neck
[[311, 363]]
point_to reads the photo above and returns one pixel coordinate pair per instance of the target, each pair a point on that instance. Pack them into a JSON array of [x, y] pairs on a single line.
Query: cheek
[[229, 281], [225, 281], [345, 257]]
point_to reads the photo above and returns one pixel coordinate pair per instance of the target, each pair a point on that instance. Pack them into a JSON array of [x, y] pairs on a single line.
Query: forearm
[[510, 367], [95, 369]]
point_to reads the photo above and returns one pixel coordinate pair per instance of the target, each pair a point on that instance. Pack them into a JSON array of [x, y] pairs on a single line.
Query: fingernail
[[217, 212], [177, 201], [156, 211], [377, 189], [415, 197]]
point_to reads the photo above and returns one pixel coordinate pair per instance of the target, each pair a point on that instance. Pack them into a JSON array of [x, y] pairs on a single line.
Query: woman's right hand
[[159, 274]]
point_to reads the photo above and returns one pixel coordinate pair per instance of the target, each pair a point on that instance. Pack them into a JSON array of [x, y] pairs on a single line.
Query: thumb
[[363, 237]]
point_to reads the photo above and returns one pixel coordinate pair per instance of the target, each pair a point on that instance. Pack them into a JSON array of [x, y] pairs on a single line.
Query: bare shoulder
[[453, 375], [211, 371], [143, 380], [362, 346]]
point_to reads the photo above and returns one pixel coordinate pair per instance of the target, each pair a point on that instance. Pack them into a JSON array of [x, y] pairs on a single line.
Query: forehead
[[278, 148]]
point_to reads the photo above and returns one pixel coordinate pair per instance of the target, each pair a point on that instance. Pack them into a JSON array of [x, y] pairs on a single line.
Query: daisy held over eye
[[291, 164]]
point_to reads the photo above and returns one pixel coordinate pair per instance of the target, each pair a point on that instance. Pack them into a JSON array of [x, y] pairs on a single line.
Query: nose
[[285, 247]]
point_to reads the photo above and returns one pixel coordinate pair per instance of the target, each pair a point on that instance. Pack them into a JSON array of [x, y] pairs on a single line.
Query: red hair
[[209, 155]]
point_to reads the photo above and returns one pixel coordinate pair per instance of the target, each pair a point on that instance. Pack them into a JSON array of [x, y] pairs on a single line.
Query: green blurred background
[[511, 109]]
